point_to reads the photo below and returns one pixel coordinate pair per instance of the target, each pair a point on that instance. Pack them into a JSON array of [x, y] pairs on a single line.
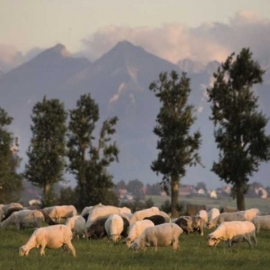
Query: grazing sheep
[[191, 224], [47, 218], [203, 214], [7, 209], [261, 222], [213, 213], [97, 228], [162, 235], [24, 219], [114, 226], [233, 231], [156, 219], [77, 225], [59, 212], [98, 212], [232, 216], [140, 215], [53, 237], [136, 229], [88, 209], [249, 214]]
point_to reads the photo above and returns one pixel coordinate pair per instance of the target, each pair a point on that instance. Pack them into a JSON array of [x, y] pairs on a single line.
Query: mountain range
[[119, 82]]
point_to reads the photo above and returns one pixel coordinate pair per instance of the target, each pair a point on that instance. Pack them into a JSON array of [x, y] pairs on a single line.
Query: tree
[[89, 162], [177, 148], [239, 127], [10, 180], [136, 188], [47, 148]]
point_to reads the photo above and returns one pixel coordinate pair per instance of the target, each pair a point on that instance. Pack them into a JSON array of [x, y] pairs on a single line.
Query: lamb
[[233, 216], [213, 213], [60, 212], [140, 215], [261, 222], [53, 237], [24, 219], [136, 229], [77, 225], [233, 231], [203, 214], [162, 235]]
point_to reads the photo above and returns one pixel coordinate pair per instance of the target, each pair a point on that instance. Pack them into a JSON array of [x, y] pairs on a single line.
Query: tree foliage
[[239, 127], [10, 180], [91, 156], [177, 148], [47, 147]]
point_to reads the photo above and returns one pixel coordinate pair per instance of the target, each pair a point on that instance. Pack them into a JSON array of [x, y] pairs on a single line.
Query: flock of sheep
[[139, 230]]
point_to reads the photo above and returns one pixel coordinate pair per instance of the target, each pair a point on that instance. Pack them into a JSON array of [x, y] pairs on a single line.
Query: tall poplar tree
[[90, 155], [10, 180], [177, 148], [239, 126], [47, 147]]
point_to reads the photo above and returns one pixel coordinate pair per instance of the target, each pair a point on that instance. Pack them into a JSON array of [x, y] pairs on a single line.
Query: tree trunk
[[174, 197], [240, 199], [46, 190]]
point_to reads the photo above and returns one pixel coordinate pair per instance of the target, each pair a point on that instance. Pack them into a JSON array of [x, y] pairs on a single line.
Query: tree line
[[77, 147]]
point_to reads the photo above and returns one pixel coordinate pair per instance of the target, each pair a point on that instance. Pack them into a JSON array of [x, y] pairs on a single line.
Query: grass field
[[101, 254]]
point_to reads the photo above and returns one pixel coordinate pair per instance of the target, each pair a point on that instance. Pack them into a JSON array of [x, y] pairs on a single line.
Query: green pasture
[[101, 254]]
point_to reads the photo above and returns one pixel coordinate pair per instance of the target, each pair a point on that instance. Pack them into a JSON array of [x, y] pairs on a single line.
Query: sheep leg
[[42, 250], [70, 246]]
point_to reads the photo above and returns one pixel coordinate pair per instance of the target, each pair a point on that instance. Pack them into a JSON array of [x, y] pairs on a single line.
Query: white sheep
[[53, 237], [114, 226], [105, 210], [136, 229], [88, 209], [203, 214], [77, 225], [233, 231], [141, 214], [249, 214], [261, 222], [233, 216], [162, 235], [24, 219], [213, 213], [59, 212], [5, 208]]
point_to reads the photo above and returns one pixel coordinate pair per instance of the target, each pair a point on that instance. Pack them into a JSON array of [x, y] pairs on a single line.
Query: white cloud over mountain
[[173, 42], [209, 41]]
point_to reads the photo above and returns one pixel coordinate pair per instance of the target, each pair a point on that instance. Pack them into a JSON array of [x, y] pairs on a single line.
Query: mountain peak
[[60, 49]]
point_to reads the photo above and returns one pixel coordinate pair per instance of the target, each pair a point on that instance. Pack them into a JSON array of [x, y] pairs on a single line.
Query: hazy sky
[[92, 26]]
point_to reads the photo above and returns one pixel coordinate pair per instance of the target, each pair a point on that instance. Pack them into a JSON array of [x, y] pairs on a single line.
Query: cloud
[[207, 42], [10, 57]]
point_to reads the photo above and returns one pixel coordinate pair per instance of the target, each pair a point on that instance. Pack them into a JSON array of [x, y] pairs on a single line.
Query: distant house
[[185, 190]]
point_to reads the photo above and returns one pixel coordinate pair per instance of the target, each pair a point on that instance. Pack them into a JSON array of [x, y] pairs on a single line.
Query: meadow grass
[[102, 254]]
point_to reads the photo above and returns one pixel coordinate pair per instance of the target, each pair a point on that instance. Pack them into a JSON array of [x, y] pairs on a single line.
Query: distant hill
[[119, 83]]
